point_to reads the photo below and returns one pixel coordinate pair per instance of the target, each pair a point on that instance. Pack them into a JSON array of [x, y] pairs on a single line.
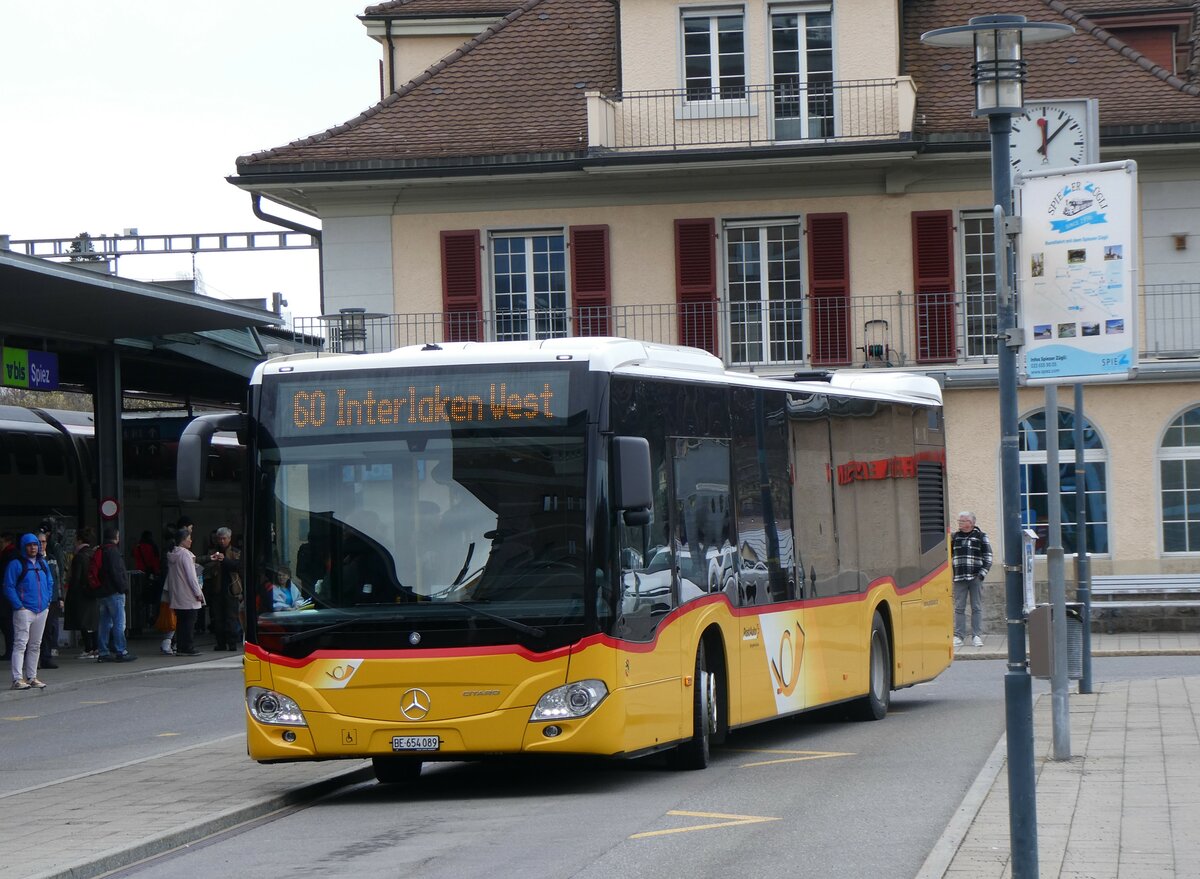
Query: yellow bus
[[578, 546]]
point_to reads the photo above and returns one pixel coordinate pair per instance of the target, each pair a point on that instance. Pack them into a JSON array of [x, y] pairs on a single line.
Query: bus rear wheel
[[396, 770], [874, 705], [706, 718]]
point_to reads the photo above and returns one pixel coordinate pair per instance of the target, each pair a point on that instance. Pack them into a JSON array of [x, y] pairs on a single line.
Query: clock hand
[[1041, 123], [1056, 132]]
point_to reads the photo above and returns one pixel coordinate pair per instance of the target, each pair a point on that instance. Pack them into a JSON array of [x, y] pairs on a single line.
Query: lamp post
[[351, 327], [999, 75]]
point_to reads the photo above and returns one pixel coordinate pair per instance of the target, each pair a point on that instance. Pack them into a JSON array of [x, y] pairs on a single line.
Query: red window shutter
[[462, 287], [696, 282], [829, 288], [591, 288], [933, 285]]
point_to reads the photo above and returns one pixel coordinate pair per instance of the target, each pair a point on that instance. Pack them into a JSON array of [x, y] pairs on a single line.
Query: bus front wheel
[[706, 706], [395, 770], [874, 705]]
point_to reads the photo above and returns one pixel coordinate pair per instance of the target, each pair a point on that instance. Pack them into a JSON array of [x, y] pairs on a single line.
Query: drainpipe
[[387, 32], [256, 205], [616, 5]]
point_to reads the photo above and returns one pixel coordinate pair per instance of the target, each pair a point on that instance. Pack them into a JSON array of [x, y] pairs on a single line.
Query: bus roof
[[614, 355]]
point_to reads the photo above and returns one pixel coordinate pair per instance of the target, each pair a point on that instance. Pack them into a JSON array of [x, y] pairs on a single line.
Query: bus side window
[[706, 559], [763, 498], [644, 553]]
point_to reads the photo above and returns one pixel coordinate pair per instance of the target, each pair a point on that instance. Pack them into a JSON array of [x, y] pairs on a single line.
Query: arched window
[[1179, 482], [1034, 497]]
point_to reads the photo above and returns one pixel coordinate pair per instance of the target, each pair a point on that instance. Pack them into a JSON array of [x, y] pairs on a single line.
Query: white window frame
[[764, 302], [964, 217], [532, 315], [1173, 453], [714, 106], [803, 10]]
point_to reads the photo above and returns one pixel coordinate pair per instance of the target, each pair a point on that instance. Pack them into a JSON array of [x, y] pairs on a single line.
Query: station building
[[789, 185]]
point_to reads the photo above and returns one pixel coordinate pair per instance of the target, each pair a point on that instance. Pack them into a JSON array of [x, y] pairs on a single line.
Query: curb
[[114, 859], [943, 851]]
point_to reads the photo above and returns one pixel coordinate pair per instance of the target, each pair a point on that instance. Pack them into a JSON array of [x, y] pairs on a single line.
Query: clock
[[1054, 135]]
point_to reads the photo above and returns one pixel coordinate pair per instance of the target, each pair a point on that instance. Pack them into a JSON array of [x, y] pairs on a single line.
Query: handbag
[[165, 622]]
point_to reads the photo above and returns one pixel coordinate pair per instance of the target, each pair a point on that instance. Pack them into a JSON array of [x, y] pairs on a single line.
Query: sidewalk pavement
[[1126, 806]]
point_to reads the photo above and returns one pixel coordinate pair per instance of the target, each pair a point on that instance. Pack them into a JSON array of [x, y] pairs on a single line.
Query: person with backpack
[[109, 572], [83, 606], [29, 588], [147, 560]]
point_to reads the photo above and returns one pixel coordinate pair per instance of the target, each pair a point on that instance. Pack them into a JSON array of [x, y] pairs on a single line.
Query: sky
[[121, 114]]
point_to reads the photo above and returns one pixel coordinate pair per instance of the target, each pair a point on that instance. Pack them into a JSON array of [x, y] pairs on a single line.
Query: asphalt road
[[818, 796], [839, 798]]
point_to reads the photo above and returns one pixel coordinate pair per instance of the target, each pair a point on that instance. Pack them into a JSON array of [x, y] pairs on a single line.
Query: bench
[[1145, 590], [1146, 602]]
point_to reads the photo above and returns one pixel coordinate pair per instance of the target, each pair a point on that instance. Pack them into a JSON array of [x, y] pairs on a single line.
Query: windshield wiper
[[308, 633], [524, 629], [332, 627]]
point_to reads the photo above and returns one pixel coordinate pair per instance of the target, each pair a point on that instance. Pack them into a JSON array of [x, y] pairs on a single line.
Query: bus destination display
[[417, 401]]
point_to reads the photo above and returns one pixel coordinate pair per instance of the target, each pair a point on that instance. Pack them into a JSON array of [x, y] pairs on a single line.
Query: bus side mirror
[[631, 478], [191, 462]]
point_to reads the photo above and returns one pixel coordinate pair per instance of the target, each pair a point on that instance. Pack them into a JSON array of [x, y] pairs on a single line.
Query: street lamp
[[999, 77], [351, 326]]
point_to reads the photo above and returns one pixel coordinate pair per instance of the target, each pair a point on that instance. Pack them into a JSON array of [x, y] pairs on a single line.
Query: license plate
[[416, 743]]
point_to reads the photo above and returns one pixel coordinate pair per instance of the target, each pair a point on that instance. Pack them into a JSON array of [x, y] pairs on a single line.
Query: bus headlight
[[572, 700], [267, 706]]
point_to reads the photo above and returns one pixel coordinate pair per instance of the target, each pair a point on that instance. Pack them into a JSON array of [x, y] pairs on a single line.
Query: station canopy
[[172, 344]]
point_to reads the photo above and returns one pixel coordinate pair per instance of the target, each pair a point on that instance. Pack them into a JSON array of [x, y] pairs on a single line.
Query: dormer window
[[1162, 35]]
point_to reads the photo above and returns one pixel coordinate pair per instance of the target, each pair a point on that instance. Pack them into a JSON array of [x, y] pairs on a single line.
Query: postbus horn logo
[[785, 686], [414, 704]]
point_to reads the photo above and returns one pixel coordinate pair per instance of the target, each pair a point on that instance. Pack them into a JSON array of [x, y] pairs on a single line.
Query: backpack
[[95, 563]]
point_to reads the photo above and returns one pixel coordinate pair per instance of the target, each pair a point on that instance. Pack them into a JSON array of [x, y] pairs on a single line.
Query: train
[[48, 468]]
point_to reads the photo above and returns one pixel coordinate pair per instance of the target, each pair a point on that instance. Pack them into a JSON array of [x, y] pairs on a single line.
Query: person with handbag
[[185, 595]]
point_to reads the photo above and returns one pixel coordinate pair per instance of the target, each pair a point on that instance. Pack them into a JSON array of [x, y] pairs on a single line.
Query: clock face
[[1047, 137]]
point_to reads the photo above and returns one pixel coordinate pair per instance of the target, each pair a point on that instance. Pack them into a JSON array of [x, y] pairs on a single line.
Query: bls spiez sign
[[1077, 265]]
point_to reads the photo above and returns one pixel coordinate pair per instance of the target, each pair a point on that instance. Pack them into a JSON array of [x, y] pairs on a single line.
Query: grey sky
[[130, 113]]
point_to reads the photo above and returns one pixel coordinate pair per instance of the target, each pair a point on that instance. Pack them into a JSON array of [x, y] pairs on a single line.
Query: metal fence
[[898, 330], [786, 111]]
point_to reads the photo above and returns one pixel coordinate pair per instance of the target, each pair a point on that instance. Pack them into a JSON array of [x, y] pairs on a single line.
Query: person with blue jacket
[[29, 588]]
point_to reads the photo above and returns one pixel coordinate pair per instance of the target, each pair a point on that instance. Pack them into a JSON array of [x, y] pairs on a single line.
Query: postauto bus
[[578, 546]]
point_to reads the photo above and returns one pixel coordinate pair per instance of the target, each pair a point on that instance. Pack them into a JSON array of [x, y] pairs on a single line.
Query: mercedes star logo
[[414, 704]]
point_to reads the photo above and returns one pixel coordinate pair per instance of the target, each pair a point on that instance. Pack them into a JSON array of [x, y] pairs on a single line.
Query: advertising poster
[[1076, 270]]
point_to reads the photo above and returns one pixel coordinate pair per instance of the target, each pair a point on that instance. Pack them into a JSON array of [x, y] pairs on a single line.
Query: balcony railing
[[785, 112], [899, 330]]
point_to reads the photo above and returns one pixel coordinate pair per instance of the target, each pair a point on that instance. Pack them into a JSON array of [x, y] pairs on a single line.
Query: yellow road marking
[[163, 735], [95, 702], [731, 821], [23, 717], [797, 756]]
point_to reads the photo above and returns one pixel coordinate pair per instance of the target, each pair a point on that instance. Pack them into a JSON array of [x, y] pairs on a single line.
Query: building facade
[[789, 185]]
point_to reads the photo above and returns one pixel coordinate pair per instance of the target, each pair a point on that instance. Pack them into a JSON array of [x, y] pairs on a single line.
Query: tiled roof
[[516, 88], [1108, 7], [442, 8], [1132, 90]]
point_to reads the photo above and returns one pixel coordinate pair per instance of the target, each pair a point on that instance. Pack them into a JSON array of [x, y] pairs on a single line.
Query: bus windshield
[[466, 536]]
